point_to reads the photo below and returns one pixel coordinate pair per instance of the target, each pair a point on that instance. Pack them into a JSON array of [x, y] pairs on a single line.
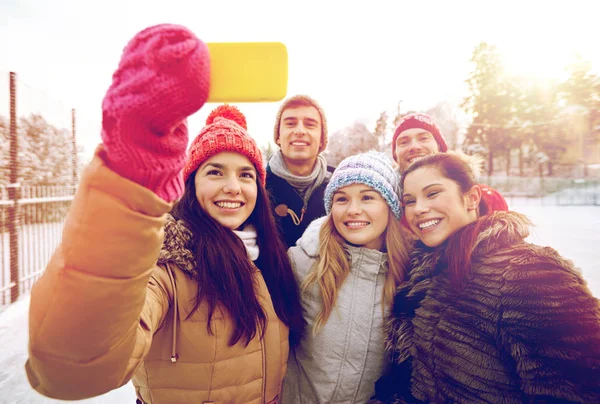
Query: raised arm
[[95, 309]]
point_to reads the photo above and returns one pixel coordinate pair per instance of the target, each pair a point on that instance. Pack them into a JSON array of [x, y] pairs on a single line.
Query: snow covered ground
[[14, 387], [572, 230]]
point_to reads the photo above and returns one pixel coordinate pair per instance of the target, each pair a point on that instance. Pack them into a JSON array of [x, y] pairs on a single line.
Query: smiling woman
[[183, 273], [437, 206], [349, 264], [360, 215], [226, 188], [479, 291]]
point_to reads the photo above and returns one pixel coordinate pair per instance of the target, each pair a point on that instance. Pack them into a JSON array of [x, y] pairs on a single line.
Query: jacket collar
[[309, 241], [497, 230], [178, 247]]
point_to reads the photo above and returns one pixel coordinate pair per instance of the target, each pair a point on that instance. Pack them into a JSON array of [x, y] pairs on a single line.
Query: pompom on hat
[[373, 169], [225, 130]]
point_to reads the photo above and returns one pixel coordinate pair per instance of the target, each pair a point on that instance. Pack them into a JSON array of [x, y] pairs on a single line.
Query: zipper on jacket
[[174, 355], [264, 369]]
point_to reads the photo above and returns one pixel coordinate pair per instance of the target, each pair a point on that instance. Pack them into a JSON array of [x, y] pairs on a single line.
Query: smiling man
[[416, 136], [297, 174]]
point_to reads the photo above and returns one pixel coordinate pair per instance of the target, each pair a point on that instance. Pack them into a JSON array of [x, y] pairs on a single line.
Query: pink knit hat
[[421, 121], [225, 130]]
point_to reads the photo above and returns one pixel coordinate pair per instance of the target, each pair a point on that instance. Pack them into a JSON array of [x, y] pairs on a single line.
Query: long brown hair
[[459, 247], [332, 267], [225, 274]]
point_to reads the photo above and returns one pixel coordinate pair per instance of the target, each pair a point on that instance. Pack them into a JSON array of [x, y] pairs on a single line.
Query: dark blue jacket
[[282, 193]]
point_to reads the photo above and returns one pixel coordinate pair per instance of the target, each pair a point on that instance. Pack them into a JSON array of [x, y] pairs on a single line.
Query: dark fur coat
[[523, 327]]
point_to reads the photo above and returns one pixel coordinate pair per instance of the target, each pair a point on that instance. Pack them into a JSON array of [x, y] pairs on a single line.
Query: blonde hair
[[332, 267]]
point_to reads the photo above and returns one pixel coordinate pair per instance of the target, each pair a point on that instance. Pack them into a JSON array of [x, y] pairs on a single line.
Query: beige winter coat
[[104, 312]]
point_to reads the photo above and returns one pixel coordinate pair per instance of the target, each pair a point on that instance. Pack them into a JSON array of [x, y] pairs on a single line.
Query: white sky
[[355, 60]]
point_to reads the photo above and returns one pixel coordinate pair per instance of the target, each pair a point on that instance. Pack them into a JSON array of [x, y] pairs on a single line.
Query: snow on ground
[[571, 230], [14, 387]]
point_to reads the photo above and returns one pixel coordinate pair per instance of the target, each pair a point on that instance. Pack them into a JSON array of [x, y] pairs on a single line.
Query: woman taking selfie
[[203, 316]]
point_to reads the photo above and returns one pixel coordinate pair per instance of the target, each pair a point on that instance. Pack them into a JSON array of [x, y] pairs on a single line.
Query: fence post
[[74, 140], [14, 192]]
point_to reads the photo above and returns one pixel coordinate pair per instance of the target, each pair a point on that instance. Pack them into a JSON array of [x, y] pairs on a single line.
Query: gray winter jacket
[[341, 363]]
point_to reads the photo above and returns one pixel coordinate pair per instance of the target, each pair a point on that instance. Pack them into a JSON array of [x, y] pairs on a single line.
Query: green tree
[[445, 116], [348, 141], [582, 88], [490, 103], [45, 152], [540, 127]]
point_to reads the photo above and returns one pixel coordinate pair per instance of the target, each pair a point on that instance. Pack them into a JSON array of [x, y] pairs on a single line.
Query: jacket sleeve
[[96, 307], [550, 329]]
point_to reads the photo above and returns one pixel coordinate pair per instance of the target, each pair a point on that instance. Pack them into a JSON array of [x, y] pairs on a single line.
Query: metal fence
[[32, 215], [31, 229], [546, 190], [31, 224]]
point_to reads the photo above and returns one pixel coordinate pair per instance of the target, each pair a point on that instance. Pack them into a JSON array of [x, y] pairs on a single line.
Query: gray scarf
[[304, 185]]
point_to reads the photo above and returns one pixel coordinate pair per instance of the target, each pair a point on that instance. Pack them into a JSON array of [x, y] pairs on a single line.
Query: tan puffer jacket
[[104, 312]]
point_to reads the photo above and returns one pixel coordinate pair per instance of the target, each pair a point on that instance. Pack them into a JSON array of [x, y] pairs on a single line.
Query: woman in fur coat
[[484, 316]]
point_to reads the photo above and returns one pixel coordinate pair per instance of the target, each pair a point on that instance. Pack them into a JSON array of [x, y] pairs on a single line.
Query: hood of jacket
[[309, 242], [178, 247]]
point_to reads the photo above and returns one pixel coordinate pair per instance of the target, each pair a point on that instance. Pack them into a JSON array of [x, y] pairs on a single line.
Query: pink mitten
[[162, 78]]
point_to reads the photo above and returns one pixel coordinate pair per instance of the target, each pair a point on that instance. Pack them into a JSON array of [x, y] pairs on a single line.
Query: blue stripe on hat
[[373, 169]]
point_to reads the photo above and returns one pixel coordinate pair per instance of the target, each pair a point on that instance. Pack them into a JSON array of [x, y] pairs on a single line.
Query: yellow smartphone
[[247, 71]]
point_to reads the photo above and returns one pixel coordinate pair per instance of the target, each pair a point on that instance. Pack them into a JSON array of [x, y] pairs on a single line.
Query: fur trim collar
[[309, 241], [499, 229], [178, 247]]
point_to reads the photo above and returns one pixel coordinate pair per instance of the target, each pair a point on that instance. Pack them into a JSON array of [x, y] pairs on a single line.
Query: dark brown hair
[[297, 103], [225, 274], [460, 245]]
